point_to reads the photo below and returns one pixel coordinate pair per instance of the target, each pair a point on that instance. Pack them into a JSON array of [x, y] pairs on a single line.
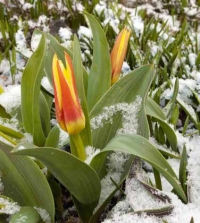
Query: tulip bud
[[69, 113], [118, 54]]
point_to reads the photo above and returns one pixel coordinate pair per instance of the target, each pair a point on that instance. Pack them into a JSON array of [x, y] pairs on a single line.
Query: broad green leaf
[[86, 133], [141, 147], [99, 80], [127, 89], [30, 94], [24, 182], [153, 109], [79, 178], [26, 214]]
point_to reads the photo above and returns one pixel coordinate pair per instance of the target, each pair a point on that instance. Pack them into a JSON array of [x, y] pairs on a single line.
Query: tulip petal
[[58, 94], [69, 114], [118, 54]]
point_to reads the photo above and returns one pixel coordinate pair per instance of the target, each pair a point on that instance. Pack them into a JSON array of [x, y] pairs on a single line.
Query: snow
[[181, 212], [90, 153], [115, 167], [192, 59], [129, 112], [27, 6], [10, 99], [8, 207], [35, 40], [44, 215], [137, 198], [84, 31], [46, 84], [4, 68], [194, 170], [65, 33]]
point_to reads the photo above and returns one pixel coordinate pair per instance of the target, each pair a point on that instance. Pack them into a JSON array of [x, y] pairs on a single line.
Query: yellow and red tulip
[[118, 54], [69, 113]]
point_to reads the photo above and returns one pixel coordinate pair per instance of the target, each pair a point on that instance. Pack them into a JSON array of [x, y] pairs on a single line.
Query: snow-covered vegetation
[[141, 137]]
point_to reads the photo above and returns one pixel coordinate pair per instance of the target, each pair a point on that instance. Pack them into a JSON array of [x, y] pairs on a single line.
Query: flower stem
[[77, 147]]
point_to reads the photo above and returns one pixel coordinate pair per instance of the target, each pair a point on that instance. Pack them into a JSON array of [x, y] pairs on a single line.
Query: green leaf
[[157, 179], [53, 137], [168, 130], [44, 114], [30, 94], [24, 182], [171, 104], [153, 109], [11, 132], [100, 74], [174, 115], [183, 169], [78, 70], [26, 214], [192, 220], [79, 178], [3, 113], [139, 146], [189, 111], [53, 47], [125, 90]]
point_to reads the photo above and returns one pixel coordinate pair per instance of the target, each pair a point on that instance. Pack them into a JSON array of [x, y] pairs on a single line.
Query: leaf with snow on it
[[8, 206]]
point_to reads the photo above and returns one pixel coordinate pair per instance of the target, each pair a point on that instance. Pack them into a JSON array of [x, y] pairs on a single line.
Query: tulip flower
[[118, 54], [69, 113]]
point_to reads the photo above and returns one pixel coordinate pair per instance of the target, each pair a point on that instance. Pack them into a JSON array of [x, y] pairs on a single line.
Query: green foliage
[[24, 182], [28, 213], [93, 81]]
